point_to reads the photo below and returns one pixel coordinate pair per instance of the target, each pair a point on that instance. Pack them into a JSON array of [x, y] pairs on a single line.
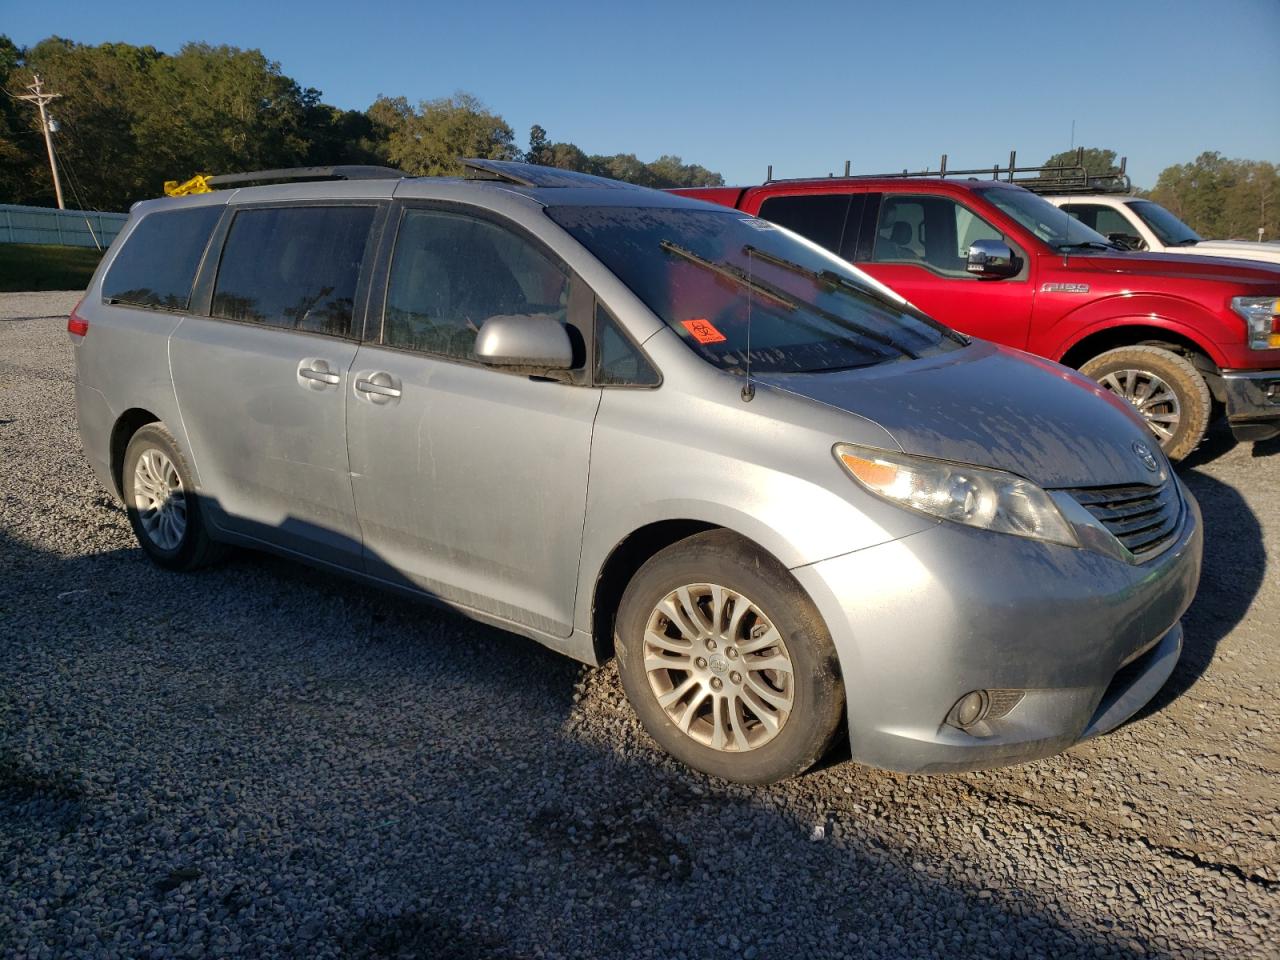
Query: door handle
[[320, 376], [378, 389]]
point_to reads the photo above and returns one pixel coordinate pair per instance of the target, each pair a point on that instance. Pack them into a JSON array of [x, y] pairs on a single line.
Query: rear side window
[[293, 267], [818, 218], [157, 265]]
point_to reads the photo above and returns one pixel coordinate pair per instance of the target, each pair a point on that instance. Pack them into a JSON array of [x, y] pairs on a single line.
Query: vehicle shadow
[[332, 770], [1219, 441], [1234, 570]]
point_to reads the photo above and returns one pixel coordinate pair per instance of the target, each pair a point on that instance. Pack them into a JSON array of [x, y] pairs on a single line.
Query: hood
[[1198, 267], [993, 407], [1246, 249]]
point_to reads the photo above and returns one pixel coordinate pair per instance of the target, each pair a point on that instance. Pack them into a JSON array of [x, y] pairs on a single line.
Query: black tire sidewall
[[1179, 373], [185, 555], [818, 708]]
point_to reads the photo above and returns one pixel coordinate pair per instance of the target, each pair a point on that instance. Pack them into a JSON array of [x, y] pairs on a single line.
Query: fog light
[[971, 708]]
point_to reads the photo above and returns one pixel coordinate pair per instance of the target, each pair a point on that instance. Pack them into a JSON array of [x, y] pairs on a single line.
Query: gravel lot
[[260, 760]]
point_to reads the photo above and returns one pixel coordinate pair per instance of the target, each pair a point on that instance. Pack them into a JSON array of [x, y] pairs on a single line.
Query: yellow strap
[[197, 184]]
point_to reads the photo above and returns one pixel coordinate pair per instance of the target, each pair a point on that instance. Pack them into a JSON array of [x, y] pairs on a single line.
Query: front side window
[[1106, 220], [451, 272], [157, 265], [619, 362], [1171, 231], [294, 267], [934, 232], [723, 280]]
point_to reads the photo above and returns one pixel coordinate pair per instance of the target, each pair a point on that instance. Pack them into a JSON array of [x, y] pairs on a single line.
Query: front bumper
[[919, 622], [1253, 403]]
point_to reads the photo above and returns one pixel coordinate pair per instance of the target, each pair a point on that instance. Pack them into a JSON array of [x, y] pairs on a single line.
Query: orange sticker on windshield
[[703, 331]]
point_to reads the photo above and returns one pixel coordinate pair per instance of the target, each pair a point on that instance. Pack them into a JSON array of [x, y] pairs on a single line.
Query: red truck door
[[919, 247]]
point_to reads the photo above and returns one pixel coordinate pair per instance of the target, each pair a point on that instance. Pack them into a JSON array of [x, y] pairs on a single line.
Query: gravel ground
[[260, 760]]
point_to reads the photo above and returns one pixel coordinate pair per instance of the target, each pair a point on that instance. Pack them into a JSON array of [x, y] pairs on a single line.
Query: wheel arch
[[1134, 334], [622, 563], [625, 560], [126, 425]]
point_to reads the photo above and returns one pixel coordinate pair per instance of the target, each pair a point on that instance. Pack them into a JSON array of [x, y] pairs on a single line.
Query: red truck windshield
[[1051, 224], [706, 272]]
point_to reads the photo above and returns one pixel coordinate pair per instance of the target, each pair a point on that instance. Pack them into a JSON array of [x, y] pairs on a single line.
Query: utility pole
[[40, 99]]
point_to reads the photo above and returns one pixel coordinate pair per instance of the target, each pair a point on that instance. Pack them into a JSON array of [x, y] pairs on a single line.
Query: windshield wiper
[[1090, 245], [736, 274], [1188, 242], [829, 278]]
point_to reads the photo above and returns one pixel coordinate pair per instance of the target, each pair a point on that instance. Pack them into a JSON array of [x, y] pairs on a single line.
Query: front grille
[[1144, 518]]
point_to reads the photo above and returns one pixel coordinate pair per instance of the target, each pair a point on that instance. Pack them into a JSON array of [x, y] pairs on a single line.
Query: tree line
[[131, 117]]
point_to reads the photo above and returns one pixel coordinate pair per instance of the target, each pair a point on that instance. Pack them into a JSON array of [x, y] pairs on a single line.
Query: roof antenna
[[748, 388]]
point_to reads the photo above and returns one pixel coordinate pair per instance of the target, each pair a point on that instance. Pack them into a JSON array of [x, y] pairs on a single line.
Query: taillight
[[77, 325]]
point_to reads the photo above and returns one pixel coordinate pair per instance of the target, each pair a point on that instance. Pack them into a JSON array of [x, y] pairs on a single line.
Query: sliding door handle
[[378, 389]]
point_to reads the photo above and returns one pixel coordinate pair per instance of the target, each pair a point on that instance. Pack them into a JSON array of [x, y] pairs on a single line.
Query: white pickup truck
[[1143, 225]]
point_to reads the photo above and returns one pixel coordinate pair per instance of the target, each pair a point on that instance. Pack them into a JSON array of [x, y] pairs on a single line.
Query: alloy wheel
[[159, 498], [718, 667], [1151, 396]]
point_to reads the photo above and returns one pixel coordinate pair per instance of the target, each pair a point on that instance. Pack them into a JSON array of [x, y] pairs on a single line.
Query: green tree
[[666, 171], [132, 117], [1097, 161], [219, 109], [1221, 198], [539, 147], [671, 171], [102, 88], [432, 139], [19, 179]]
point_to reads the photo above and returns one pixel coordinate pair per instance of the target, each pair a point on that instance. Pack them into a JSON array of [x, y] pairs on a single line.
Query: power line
[[40, 98], [72, 180]]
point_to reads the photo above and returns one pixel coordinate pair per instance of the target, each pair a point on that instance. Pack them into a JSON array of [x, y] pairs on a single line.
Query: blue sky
[[737, 86]]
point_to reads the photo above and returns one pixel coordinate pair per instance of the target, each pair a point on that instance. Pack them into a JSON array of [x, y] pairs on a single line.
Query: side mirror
[[992, 258], [1126, 240], [538, 343]]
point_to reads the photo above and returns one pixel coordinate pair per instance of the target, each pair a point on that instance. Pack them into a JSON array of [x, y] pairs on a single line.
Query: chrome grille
[[1144, 518]]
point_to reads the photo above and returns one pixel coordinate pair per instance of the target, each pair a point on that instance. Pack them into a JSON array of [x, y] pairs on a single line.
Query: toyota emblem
[[1146, 456]]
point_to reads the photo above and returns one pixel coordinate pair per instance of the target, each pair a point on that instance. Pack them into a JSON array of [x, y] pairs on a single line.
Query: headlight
[[989, 499], [1262, 316]]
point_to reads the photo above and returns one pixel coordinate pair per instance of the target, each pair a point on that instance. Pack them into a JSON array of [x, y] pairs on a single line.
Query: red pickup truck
[[1172, 334]]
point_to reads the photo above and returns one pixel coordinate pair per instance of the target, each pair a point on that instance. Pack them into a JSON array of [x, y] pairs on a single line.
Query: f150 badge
[[1064, 288]]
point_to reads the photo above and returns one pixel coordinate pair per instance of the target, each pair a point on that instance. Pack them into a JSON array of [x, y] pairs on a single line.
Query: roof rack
[[1063, 178], [288, 174], [536, 175]]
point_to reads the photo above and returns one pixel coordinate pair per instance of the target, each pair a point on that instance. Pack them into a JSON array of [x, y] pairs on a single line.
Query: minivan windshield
[[1051, 224], [706, 273], [1171, 231]]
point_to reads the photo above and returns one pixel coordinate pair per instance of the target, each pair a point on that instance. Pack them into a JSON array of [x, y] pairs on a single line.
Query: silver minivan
[[628, 424]]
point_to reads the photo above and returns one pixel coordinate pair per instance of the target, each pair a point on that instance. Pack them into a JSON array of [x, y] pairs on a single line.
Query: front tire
[[160, 500], [727, 662], [1164, 387]]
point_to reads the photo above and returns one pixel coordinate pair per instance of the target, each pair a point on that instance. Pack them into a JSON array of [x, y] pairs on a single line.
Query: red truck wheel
[[1164, 387]]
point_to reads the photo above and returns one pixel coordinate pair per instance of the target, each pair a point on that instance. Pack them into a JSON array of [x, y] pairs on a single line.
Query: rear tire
[[741, 681], [161, 502], [1165, 388]]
